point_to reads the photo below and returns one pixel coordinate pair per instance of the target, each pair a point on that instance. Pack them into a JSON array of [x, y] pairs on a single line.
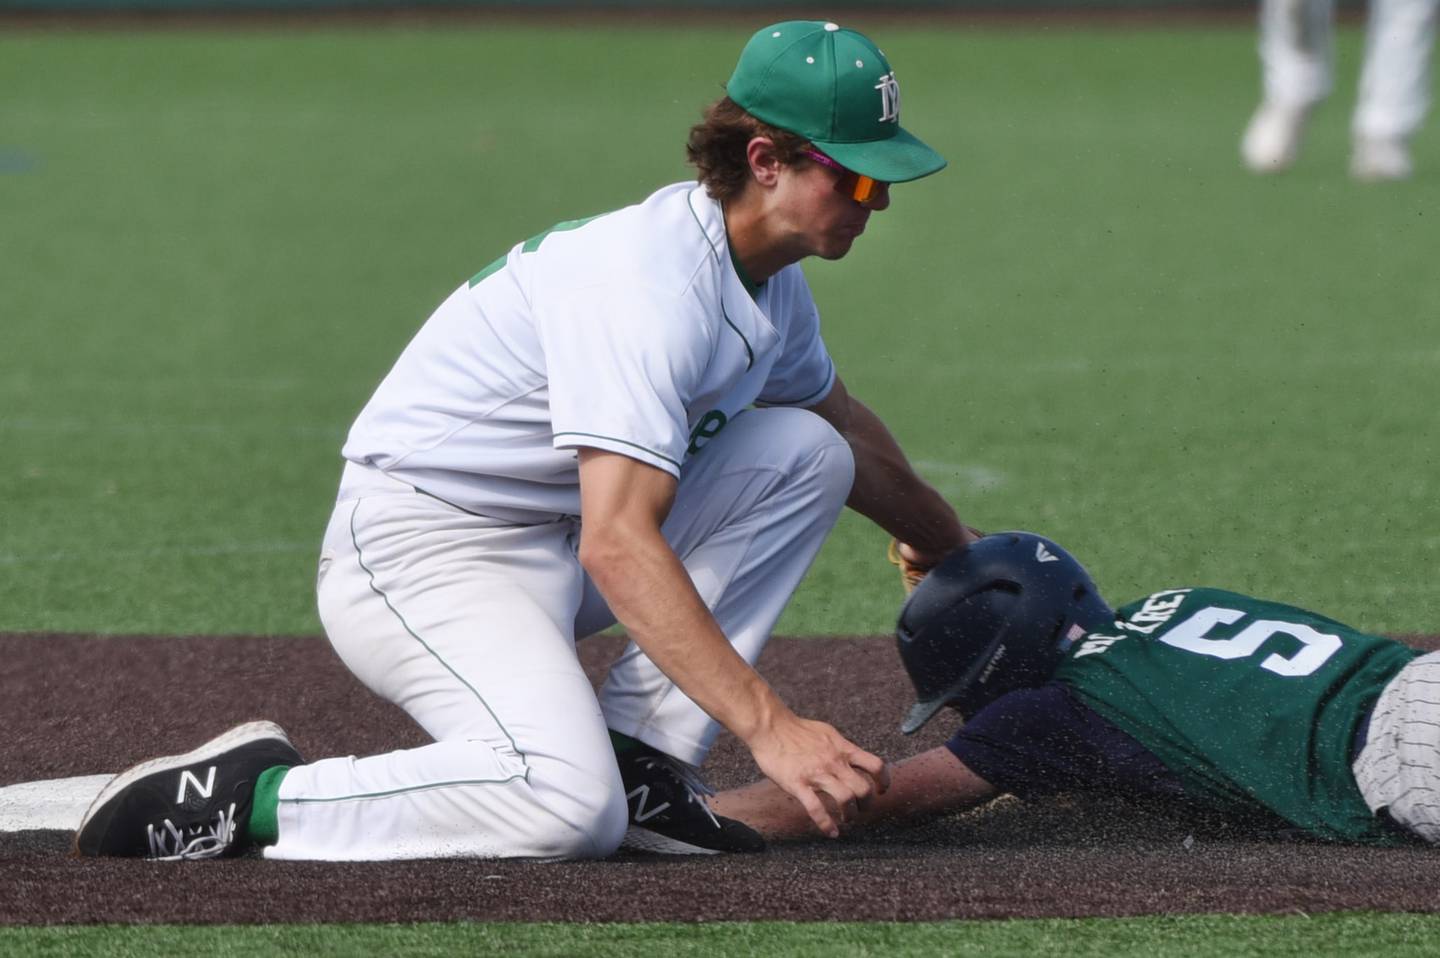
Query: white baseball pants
[[1399, 767], [469, 624], [1297, 49]]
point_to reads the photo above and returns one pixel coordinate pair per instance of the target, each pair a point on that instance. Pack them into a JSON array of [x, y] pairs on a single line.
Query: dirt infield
[[76, 705]]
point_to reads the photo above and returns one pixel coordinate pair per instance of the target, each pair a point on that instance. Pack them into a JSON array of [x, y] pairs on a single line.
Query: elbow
[[604, 553], [593, 555]]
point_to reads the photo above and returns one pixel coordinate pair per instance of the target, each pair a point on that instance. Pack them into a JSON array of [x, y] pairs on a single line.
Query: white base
[[57, 803]]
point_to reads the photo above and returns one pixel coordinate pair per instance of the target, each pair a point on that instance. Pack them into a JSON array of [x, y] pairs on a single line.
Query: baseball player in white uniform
[[628, 418], [1296, 54]]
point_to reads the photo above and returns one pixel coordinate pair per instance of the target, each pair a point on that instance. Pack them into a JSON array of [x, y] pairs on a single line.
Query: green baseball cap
[[835, 88]]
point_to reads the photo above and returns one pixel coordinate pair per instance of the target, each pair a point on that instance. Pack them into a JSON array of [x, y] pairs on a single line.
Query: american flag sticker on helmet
[[1071, 634]]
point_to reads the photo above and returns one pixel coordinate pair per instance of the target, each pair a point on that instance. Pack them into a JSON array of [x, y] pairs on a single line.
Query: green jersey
[[1248, 702]]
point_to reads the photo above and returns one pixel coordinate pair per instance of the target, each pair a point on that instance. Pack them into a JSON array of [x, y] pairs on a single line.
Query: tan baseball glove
[[910, 574]]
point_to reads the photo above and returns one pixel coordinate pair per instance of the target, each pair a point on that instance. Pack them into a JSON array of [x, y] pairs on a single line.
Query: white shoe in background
[[1375, 159], [1272, 140]]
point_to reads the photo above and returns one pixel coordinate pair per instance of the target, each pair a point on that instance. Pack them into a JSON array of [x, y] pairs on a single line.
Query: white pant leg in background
[[1394, 90], [465, 623], [752, 510], [1297, 50]]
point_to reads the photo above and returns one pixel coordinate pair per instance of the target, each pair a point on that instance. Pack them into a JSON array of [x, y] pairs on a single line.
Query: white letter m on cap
[[889, 89], [187, 777]]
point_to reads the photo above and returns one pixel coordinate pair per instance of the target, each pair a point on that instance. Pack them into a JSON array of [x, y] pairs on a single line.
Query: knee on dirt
[[576, 814]]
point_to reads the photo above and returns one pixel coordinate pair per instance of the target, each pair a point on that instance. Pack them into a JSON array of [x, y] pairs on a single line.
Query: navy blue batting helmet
[[993, 617]]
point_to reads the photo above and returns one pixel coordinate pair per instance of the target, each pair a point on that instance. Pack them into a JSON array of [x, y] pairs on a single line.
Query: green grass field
[[1203, 936], [1094, 324]]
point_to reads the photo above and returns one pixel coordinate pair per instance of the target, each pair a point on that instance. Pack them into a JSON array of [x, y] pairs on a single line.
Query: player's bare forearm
[[623, 503], [887, 489], [889, 492], [922, 786], [766, 808]]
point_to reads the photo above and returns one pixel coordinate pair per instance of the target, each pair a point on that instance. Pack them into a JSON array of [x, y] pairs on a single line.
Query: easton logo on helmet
[[992, 666]]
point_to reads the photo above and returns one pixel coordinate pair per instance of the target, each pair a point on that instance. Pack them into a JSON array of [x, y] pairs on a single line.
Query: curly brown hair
[[717, 147]]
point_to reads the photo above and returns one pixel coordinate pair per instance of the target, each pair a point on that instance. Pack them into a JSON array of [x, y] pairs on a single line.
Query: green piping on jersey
[[533, 243], [750, 285], [749, 353], [623, 442], [530, 246], [744, 281], [817, 395], [360, 559], [696, 217], [488, 271]]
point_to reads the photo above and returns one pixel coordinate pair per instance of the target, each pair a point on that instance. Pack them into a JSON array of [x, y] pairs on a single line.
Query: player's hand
[[830, 776], [914, 564]]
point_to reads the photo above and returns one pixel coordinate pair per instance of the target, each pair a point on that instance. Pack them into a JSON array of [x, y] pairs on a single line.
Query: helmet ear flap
[[977, 623]]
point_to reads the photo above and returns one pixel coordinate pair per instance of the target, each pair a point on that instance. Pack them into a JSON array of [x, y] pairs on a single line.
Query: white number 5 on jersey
[[1316, 647]]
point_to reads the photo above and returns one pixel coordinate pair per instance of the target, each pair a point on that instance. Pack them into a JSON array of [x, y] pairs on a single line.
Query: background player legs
[[1296, 58], [464, 623], [752, 510], [1394, 90]]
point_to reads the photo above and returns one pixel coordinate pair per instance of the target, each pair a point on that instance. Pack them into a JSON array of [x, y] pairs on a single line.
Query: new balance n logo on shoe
[[668, 814], [189, 806], [640, 796], [188, 778]]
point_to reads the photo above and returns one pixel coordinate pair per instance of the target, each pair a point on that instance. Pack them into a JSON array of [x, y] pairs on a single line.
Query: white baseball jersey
[[630, 332], [449, 578]]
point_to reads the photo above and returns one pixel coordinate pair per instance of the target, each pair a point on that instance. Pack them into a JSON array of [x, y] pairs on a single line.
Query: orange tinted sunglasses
[[857, 186]]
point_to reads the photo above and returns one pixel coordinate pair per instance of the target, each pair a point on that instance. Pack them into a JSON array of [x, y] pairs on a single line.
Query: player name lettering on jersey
[[1156, 611], [1097, 643]]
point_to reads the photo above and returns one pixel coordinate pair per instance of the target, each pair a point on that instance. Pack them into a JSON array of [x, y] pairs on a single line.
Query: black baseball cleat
[[668, 812], [187, 806]]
